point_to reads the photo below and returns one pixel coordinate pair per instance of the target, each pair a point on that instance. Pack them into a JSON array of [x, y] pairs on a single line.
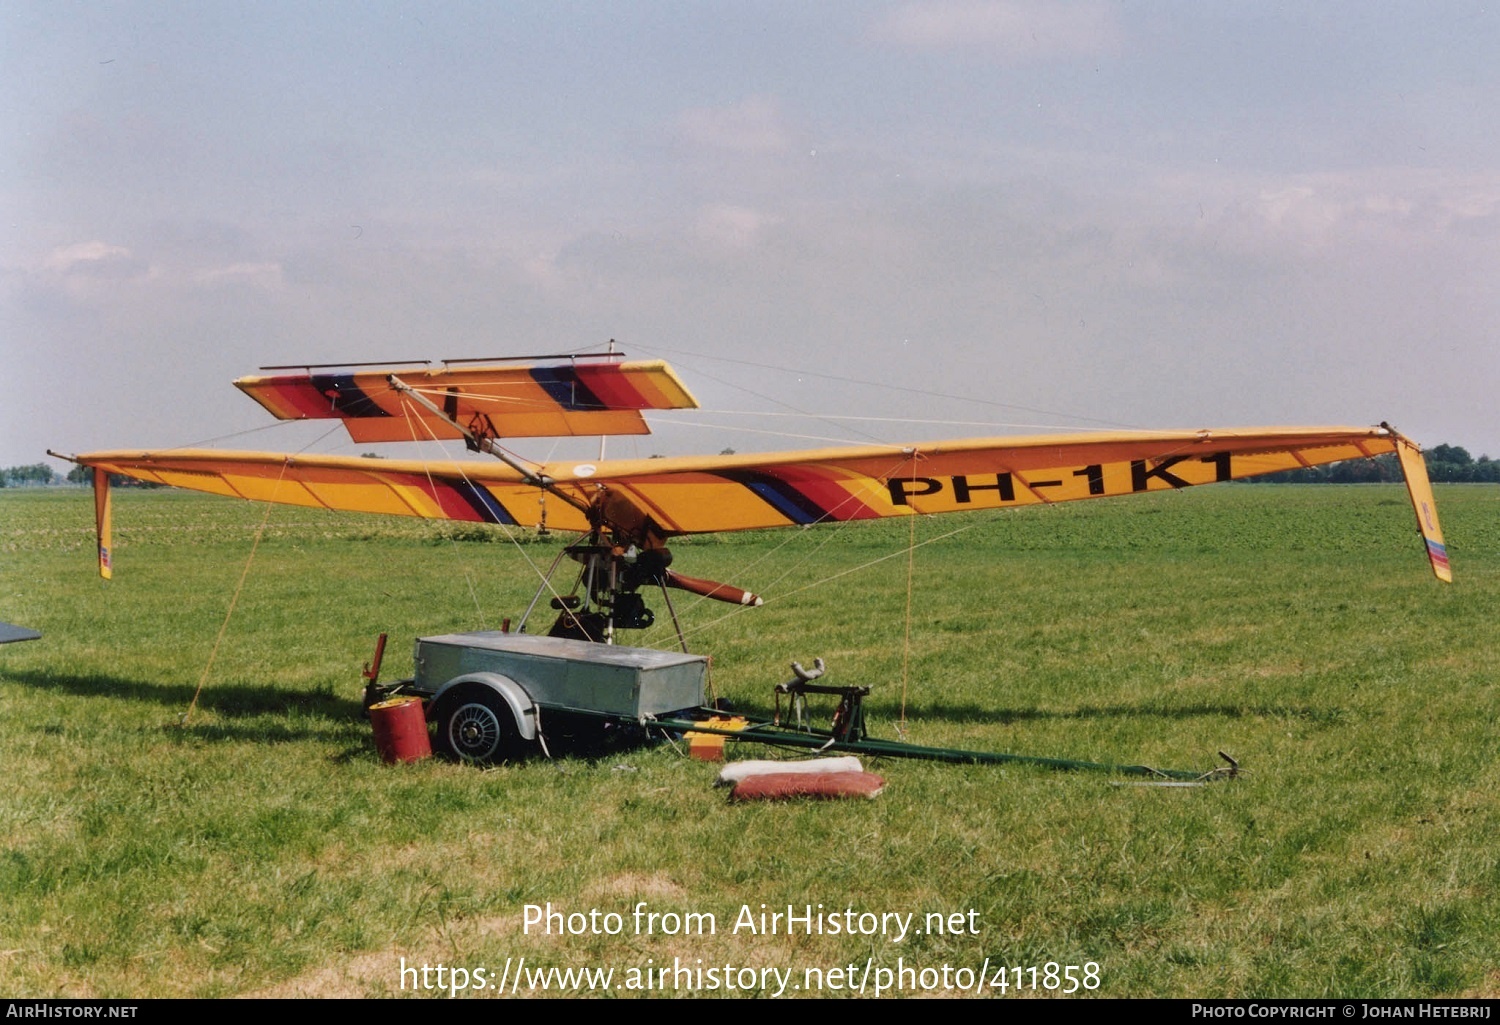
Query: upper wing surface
[[868, 482], [495, 400], [743, 492]]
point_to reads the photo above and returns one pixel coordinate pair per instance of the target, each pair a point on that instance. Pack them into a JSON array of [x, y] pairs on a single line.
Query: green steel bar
[[768, 733]]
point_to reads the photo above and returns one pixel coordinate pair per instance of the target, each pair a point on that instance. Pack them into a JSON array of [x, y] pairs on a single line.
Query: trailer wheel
[[474, 724]]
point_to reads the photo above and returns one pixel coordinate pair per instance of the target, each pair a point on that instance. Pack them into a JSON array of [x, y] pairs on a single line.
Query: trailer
[[494, 696]]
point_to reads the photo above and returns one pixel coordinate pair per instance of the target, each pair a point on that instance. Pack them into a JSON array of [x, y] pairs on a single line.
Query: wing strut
[[1419, 487], [484, 443], [102, 523], [103, 529]]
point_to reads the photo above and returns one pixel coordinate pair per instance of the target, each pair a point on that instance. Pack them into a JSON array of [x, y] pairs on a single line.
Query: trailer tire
[[474, 724]]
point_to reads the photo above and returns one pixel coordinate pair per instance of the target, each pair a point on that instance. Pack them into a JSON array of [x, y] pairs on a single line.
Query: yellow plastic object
[[709, 747]]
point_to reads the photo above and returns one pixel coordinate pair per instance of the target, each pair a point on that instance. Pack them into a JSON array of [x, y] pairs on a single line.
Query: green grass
[[262, 848]]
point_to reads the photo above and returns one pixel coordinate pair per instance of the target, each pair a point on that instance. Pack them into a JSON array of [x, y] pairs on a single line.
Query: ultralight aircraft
[[626, 512]]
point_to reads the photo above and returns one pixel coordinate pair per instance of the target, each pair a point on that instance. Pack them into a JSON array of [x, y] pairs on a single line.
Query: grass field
[[261, 848]]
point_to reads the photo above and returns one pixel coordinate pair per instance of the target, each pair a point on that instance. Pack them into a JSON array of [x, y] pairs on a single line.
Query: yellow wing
[[1420, 490], [741, 492], [494, 400]]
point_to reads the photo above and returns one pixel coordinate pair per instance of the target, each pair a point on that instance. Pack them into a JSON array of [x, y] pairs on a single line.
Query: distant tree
[[1384, 469], [36, 473], [85, 475], [726, 452], [1453, 464], [1449, 454], [1446, 464]]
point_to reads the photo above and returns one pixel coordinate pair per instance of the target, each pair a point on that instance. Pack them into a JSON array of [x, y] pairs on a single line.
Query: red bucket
[[400, 730]]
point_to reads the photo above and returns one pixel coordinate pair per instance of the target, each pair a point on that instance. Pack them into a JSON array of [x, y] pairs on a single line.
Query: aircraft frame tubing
[[765, 731]]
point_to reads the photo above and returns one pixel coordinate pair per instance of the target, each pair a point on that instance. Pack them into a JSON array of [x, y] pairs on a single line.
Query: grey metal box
[[567, 674]]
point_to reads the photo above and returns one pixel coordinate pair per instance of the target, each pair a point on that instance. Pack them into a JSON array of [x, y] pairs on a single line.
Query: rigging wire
[[234, 599], [832, 531], [504, 527], [677, 414], [412, 419], [273, 425], [838, 527], [779, 402], [911, 553], [892, 387], [775, 434], [738, 610], [834, 528]]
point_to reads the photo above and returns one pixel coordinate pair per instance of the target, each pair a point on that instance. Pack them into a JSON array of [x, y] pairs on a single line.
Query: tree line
[[40, 474], [1446, 464], [23, 476]]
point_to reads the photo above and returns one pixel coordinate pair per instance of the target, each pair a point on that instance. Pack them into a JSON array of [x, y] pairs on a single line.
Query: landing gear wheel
[[474, 724]]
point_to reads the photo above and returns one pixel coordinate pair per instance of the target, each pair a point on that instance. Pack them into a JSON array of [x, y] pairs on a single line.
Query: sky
[[839, 221]]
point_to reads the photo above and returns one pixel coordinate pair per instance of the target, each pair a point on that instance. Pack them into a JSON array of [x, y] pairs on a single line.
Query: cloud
[[752, 126], [83, 263], [1014, 29], [93, 258], [263, 274], [730, 227], [103, 275], [1363, 212]]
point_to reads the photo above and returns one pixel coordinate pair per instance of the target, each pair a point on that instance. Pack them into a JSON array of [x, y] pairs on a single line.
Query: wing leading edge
[[668, 497]]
